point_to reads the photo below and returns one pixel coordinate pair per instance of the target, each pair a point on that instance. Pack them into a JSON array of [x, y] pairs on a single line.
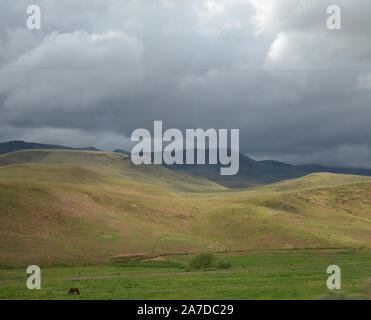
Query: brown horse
[[73, 290]]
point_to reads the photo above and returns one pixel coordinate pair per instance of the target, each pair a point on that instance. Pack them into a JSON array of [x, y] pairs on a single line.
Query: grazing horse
[[73, 290]]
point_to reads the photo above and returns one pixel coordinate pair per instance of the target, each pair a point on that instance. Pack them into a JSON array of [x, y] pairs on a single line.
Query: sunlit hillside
[[62, 207]]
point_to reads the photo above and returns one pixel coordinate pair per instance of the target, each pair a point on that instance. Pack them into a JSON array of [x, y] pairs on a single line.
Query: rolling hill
[[76, 207], [10, 146], [252, 173]]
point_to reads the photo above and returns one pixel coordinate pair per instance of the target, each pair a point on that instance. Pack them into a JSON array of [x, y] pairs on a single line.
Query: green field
[[63, 209], [293, 274]]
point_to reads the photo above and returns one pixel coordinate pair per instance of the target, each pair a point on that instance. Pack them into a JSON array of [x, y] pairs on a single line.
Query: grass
[[61, 207], [284, 274], [72, 212]]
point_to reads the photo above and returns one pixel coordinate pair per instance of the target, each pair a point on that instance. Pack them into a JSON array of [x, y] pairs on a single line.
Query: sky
[[99, 69]]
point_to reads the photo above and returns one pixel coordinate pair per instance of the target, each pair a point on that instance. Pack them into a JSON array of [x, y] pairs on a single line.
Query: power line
[[120, 68]]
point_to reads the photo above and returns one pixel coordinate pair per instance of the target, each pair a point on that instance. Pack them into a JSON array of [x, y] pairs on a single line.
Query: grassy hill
[[255, 173], [76, 207], [11, 146], [251, 173], [101, 165]]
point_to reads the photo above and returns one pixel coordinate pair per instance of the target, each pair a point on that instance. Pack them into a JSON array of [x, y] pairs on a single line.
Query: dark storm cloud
[[186, 63]]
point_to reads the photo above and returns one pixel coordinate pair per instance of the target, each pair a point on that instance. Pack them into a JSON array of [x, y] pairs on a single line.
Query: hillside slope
[[107, 164], [60, 206], [251, 173], [11, 146]]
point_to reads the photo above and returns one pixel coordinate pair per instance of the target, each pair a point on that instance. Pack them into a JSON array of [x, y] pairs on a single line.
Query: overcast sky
[[297, 91]]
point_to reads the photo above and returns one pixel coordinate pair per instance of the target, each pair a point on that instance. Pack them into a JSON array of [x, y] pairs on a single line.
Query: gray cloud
[[187, 63]]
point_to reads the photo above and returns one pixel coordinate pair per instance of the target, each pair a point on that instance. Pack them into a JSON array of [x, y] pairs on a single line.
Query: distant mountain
[[274, 163], [251, 172], [122, 151], [254, 173], [88, 149], [11, 146], [318, 168]]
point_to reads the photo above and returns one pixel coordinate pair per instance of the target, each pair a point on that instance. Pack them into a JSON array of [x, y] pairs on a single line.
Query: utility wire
[[9, 67]]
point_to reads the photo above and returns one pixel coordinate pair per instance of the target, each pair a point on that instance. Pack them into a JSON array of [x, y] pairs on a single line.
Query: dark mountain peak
[[89, 149], [17, 145], [16, 142], [122, 151], [274, 163]]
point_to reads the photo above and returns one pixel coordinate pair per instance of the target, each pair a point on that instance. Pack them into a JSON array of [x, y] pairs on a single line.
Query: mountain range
[[251, 172]]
